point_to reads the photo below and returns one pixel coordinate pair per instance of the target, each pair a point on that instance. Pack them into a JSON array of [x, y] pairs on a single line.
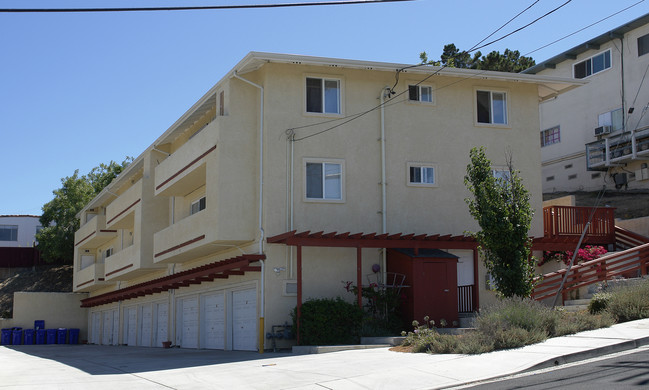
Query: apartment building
[[18, 230], [598, 135], [292, 175]]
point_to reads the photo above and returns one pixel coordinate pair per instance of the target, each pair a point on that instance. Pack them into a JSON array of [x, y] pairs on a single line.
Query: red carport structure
[[372, 240]]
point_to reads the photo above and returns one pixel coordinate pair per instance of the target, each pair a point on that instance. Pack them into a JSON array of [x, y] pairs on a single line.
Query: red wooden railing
[[626, 239], [569, 221], [629, 263], [465, 299]]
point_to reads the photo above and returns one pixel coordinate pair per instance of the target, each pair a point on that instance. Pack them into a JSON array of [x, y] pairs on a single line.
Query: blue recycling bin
[[40, 336], [39, 324], [17, 336], [61, 336], [50, 336], [6, 336], [73, 336], [29, 337]]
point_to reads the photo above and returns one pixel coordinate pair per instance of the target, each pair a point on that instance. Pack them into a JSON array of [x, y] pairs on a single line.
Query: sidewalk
[[103, 367]]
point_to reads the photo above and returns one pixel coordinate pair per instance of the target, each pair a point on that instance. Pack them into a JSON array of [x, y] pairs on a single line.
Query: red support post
[[359, 276], [299, 291], [476, 280]]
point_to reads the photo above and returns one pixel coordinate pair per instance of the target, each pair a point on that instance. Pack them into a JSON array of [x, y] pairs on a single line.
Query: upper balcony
[[94, 233], [120, 214], [126, 264], [89, 278], [185, 169], [567, 223], [618, 149]]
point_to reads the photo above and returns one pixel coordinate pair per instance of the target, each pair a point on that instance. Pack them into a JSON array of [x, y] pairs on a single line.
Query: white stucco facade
[[18, 230]]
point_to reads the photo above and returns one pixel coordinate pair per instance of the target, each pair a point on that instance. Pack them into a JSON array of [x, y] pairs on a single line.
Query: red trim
[[118, 270], [123, 211], [107, 231], [85, 238], [84, 283], [359, 275], [185, 167], [173, 248], [216, 270]]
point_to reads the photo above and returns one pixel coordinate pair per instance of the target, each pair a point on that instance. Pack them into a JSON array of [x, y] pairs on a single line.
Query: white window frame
[[421, 165], [12, 236], [606, 119], [419, 88], [491, 92], [324, 161], [197, 202], [500, 172], [552, 141], [324, 78], [602, 53]]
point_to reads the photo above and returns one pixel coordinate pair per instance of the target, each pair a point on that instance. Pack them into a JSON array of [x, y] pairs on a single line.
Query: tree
[[501, 208], [59, 221], [509, 61]]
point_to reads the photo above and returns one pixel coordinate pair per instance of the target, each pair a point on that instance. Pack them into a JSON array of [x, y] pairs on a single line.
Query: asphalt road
[[623, 371]]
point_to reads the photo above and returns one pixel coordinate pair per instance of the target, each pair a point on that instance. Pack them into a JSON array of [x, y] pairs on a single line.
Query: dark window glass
[[484, 107], [314, 180], [643, 45], [313, 95], [413, 92], [415, 175]]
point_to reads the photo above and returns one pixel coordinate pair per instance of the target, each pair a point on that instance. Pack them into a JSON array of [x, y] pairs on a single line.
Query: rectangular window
[[420, 93], [322, 95], [550, 136], [492, 107], [422, 175], [324, 180], [592, 65], [197, 206], [8, 232], [221, 103], [643, 45], [108, 253], [614, 118], [501, 173]]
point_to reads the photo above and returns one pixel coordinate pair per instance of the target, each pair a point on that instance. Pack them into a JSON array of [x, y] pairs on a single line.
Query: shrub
[[511, 313], [630, 302], [571, 323], [598, 302], [328, 322]]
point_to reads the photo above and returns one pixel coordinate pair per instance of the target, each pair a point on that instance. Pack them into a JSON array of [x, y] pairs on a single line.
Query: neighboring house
[[18, 230], [598, 135], [288, 178]]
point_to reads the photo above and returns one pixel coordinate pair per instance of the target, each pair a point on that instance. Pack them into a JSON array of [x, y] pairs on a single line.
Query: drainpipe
[[384, 90], [261, 203], [622, 77]]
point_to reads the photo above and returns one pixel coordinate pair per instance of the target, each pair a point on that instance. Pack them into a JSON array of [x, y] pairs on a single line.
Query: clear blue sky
[[69, 80]]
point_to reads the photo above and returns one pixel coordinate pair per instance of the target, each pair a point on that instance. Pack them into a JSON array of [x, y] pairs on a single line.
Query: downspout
[[624, 128], [261, 204], [383, 184]]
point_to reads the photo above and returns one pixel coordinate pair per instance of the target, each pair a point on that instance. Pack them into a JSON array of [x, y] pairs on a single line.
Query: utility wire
[[192, 8], [503, 26]]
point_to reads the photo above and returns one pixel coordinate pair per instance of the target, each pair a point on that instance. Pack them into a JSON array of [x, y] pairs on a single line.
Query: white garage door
[[161, 324], [130, 326], [115, 340], [213, 321], [107, 332], [96, 328], [244, 320], [145, 325], [188, 313]]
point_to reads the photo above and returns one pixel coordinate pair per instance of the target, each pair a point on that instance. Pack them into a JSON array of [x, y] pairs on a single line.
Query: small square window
[[422, 175], [551, 136], [643, 45], [614, 118], [197, 206], [322, 95], [324, 180], [420, 93], [491, 107]]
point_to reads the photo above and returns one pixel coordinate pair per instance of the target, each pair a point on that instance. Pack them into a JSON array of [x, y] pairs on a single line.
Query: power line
[[192, 8], [503, 26]]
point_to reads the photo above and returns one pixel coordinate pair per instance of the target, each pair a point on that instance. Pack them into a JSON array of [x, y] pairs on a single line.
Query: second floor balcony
[[618, 149], [120, 212], [89, 278], [93, 233]]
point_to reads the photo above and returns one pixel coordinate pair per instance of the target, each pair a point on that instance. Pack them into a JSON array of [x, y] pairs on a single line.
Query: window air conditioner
[[602, 130]]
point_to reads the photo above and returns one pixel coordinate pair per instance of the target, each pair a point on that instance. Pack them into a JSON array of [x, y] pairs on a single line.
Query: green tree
[[501, 208], [509, 61], [59, 221]]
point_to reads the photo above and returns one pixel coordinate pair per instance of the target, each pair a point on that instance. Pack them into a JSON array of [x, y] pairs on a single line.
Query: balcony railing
[[94, 233], [561, 222], [465, 299], [618, 149], [123, 262], [119, 214], [90, 278]]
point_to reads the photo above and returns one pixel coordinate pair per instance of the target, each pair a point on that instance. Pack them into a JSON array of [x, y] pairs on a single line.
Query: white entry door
[[188, 319], [107, 332], [213, 321], [144, 329], [161, 317], [244, 320], [96, 328]]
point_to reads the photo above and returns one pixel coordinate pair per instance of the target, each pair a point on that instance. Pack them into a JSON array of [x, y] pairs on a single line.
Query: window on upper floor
[[614, 118], [8, 232], [501, 173], [643, 45], [491, 107], [592, 65], [551, 136], [422, 175], [324, 180], [221, 103], [420, 93], [322, 95], [197, 205]]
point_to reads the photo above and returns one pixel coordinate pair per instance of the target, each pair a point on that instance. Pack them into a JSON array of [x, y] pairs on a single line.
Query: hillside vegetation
[[45, 278]]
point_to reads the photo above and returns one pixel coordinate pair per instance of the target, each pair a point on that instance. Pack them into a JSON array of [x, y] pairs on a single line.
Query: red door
[[438, 293]]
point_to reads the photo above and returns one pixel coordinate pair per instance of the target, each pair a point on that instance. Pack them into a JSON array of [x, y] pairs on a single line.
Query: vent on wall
[[572, 177], [549, 178], [567, 166]]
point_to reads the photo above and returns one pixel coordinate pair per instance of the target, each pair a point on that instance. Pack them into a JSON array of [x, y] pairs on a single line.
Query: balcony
[[120, 213], [565, 223], [125, 264], [185, 169], [94, 233], [622, 148], [90, 278]]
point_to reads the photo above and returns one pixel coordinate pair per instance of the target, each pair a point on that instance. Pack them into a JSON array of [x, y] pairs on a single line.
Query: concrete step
[[579, 302], [575, 308]]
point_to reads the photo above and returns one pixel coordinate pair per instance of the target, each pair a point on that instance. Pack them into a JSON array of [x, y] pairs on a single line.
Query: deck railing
[[570, 221], [465, 299]]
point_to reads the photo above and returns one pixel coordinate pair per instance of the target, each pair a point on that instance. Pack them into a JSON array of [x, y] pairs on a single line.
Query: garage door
[[115, 340], [161, 317], [96, 328], [145, 325], [130, 328], [188, 310], [213, 321], [107, 331], [244, 320]]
